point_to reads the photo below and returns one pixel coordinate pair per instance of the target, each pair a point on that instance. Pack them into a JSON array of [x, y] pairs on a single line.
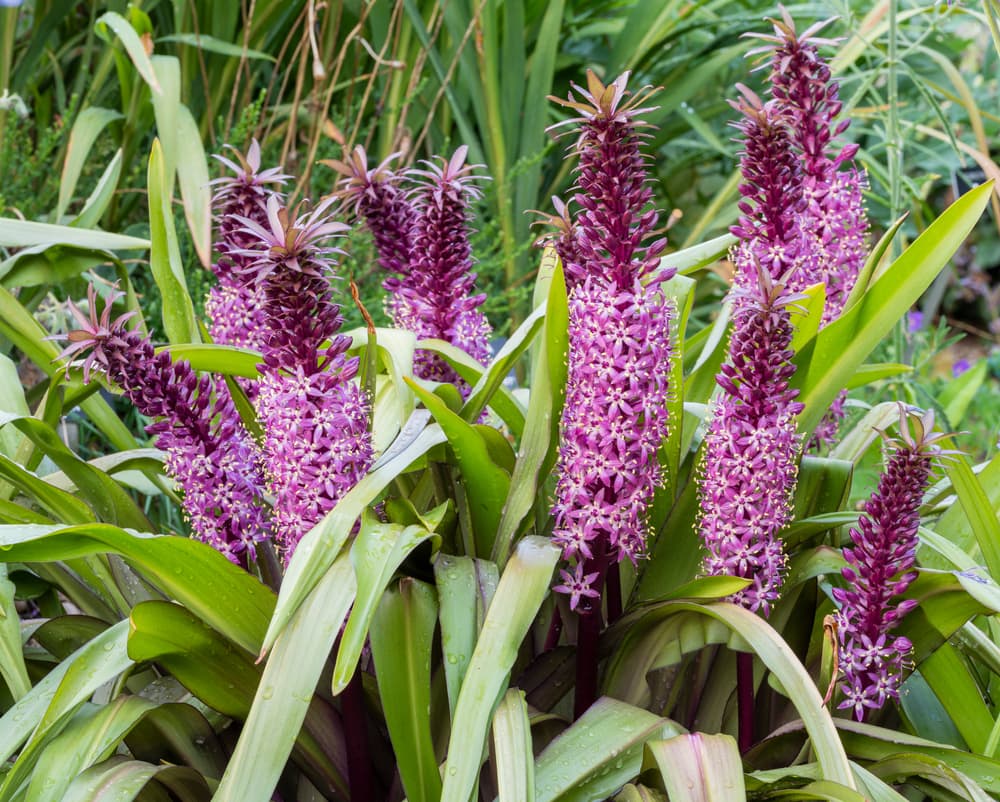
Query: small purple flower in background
[[314, 414], [209, 452], [422, 238], [750, 466], [880, 568], [615, 416], [959, 367], [235, 305], [914, 321]]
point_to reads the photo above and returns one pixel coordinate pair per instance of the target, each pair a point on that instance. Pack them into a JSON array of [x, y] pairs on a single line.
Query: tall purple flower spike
[[209, 453], [615, 416], [422, 241], [314, 414], [833, 224], [235, 306], [769, 193], [750, 468], [881, 566], [833, 221], [436, 299]]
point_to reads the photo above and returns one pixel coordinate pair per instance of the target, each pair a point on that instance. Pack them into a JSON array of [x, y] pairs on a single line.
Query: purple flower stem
[[613, 592], [360, 775], [588, 636], [745, 700], [555, 631]]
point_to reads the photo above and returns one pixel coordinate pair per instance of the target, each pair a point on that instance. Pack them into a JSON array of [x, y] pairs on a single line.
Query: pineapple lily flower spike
[[881, 566], [209, 452]]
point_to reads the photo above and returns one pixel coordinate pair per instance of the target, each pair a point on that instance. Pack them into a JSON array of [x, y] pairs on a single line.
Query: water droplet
[[267, 692]]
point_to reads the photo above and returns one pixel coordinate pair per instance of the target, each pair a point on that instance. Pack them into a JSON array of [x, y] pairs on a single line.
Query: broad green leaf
[[402, 636], [193, 182], [226, 360], [11, 401], [700, 768], [107, 498], [498, 369], [955, 524], [981, 514], [15, 233], [601, 751], [99, 199], [164, 256], [221, 594], [286, 688], [50, 265], [949, 678], [854, 444], [320, 546], [867, 742], [749, 633], [539, 442], [825, 366], [938, 772], [502, 402], [377, 552], [211, 44], [466, 587], [99, 661], [133, 45], [166, 104], [12, 667], [486, 483], [512, 747], [92, 736], [679, 295], [87, 128], [119, 779], [869, 373], [221, 675], [807, 315], [523, 585], [692, 259], [58, 503]]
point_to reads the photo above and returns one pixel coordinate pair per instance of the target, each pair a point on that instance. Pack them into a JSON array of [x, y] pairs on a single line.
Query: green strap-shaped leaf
[[316, 551], [16, 233], [99, 661], [376, 554], [610, 735], [58, 503], [512, 747], [165, 256], [221, 594], [523, 586], [700, 768], [540, 439], [827, 363], [119, 779], [402, 636], [486, 483], [92, 736], [107, 498], [752, 633], [466, 587], [133, 45], [12, 667], [226, 360], [86, 128], [100, 198], [223, 677], [981, 514], [286, 688]]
